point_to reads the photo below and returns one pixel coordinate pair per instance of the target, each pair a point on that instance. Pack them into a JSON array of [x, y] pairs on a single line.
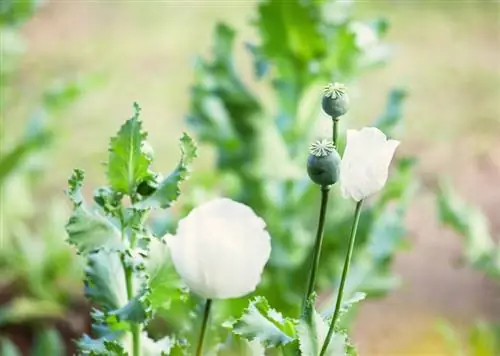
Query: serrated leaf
[[128, 161], [8, 348], [105, 280], [99, 347], [48, 342], [89, 231], [136, 311], [164, 283], [312, 334], [261, 322], [169, 189], [75, 183]]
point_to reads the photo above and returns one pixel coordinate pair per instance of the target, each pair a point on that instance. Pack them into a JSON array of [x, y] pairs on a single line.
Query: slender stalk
[[135, 328], [129, 282], [345, 271], [335, 130], [203, 331], [313, 271]]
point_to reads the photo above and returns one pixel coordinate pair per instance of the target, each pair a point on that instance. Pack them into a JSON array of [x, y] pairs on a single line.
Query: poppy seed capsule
[[323, 163], [335, 100]]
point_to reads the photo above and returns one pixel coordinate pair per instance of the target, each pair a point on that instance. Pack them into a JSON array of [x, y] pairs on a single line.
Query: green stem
[[206, 314], [135, 328], [129, 282], [343, 279], [335, 130], [313, 271]]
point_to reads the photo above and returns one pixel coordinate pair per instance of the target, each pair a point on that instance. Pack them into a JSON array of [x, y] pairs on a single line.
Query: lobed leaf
[[260, 322], [164, 283], [169, 189], [312, 334], [100, 347], [129, 156], [89, 231], [105, 280]]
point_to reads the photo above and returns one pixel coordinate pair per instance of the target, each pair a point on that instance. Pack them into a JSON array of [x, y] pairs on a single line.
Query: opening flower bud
[[335, 100], [323, 163]]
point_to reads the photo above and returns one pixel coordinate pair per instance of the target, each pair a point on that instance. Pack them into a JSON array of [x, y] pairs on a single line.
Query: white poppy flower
[[365, 164], [220, 249]]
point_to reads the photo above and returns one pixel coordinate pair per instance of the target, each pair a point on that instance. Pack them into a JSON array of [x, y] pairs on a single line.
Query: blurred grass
[[446, 53]]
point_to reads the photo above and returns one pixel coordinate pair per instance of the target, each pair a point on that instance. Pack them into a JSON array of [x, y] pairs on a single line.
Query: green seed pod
[[335, 100], [323, 163]]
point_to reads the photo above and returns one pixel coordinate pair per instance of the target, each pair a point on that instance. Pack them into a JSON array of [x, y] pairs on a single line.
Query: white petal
[[220, 249], [365, 164]]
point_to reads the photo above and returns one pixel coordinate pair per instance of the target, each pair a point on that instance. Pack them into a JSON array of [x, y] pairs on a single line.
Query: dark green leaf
[[128, 161], [261, 322], [169, 189]]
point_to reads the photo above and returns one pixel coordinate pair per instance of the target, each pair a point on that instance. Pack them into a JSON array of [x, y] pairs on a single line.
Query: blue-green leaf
[[312, 334], [164, 283], [169, 189], [260, 322], [89, 231], [105, 280], [99, 347], [129, 158]]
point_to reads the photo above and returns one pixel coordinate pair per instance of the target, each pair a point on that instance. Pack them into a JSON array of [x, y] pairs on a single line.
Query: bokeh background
[[446, 54]]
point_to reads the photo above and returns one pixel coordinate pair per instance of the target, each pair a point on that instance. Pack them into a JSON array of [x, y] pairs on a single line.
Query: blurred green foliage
[[40, 275], [482, 252], [261, 138], [480, 248]]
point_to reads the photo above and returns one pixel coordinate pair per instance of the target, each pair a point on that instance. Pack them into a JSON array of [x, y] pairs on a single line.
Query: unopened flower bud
[[335, 100], [323, 163]]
